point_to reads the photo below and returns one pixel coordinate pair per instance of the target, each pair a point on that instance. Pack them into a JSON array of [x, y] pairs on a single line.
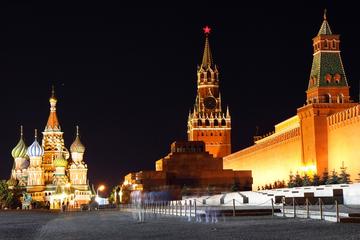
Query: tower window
[[207, 122], [340, 98], [328, 78], [219, 134], [223, 122], [216, 122], [337, 78], [326, 44], [211, 134], [202, 133], [209, 76], [199, 122], [328, 98], [333, 44]]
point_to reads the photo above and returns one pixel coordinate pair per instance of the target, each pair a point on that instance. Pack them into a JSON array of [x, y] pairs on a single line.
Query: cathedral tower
[[52, 140], [21, 162], [78, 168], [208, 122], [35, 181], [327, 93]]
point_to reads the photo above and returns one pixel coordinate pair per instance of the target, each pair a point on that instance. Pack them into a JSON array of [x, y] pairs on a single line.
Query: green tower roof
[[327, 69]]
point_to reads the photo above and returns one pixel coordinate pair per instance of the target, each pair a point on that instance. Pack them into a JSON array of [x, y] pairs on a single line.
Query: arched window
[[219, 134], [207, 122], [216, 122], [211, 134], [333, 44], [202, 133], [340, 98], [199, 122], [328, 98], [326, 44], [223, 122]]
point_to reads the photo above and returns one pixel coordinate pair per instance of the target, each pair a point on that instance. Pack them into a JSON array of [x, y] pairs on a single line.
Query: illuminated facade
[[197, 165], [46, 171], [208, 122], [322, 136]]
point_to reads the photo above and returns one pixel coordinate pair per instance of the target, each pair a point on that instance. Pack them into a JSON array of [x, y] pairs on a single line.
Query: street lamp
[[100, 188]]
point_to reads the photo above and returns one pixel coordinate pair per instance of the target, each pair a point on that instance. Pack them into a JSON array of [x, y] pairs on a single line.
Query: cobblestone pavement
[[123, 225]]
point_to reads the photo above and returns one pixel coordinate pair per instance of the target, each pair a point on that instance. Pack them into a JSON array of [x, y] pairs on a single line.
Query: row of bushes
[[298, 180]]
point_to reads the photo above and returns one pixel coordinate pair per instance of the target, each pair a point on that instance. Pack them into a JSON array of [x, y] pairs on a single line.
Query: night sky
[[127, 76]]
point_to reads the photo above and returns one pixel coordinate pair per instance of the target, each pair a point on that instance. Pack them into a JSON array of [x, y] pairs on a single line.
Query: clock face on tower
[[210, 103]]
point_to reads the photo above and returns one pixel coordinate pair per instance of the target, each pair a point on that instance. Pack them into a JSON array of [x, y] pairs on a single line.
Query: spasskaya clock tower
[[207, 121]]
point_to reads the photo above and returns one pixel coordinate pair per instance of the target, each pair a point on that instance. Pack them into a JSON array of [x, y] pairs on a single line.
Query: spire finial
[[325, 11], [21, 131], [207, 59], [207, 30], [35, 134], [52, 90], [227, 111], [77, 130]]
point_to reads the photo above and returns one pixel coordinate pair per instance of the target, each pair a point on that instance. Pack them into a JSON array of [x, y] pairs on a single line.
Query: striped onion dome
[[19, 150], [35, 149], [77, 146]]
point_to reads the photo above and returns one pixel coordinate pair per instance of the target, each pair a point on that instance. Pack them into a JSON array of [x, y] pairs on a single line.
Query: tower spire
[[35, 134], [53, 122], [325, 27], [207, 58], [328, 82], [21, 131], [52, 91], [77, 130]]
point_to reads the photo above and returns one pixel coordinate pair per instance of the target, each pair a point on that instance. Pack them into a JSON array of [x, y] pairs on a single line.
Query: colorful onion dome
[[19, 150], [12, 182], [35, 149], [77, 146], [60, 161]]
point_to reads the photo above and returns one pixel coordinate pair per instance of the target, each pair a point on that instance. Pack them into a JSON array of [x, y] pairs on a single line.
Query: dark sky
[[127, 76]]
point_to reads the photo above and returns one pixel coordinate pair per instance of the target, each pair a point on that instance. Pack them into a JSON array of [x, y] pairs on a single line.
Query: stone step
[[350, 220]]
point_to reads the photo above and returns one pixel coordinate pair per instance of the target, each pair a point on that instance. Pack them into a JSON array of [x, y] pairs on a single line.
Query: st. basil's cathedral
[[48, 172]]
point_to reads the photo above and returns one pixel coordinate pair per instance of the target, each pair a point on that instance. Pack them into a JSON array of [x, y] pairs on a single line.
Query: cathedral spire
[[207, 58], [53, 122]]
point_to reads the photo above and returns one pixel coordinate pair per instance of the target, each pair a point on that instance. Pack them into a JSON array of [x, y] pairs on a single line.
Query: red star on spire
[[207, 30]]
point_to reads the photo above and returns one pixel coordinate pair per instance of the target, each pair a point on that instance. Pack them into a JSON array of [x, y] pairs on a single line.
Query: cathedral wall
[[344, 141], [270, 160]]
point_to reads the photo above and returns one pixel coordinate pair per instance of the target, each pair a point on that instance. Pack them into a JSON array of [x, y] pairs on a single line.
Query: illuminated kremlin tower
[[327, 93], [208, 122]]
